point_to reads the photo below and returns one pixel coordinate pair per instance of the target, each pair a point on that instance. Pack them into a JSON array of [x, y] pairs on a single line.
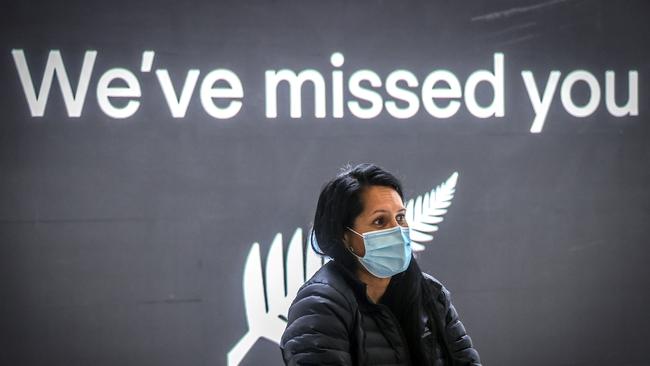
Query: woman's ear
[[346, 239]]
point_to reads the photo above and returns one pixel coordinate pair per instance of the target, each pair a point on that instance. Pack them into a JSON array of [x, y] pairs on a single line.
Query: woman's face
[[382, 209]]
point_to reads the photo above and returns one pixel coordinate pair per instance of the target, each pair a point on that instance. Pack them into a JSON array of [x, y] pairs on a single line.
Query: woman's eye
[[401, 218], [378, 221]]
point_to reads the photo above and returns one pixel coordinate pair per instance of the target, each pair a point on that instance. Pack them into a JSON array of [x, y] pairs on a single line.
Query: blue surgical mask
[[388, 251]]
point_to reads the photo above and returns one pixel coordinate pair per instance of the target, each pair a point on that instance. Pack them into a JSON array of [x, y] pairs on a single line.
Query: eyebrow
[[382, 210]]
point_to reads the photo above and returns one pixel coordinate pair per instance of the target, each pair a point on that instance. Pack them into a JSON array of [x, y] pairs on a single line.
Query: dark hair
[[338, 205]]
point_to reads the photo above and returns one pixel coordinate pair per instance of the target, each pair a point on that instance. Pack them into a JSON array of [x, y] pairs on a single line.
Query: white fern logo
[[269, 322], [424, 212], [267, 298]]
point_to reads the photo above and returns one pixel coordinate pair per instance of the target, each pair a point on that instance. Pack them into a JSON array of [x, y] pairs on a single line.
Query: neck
[[375, 286]]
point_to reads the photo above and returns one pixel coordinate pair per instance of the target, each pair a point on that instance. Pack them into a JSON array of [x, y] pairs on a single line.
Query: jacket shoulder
[[330, 274], [325, 293], [331, 280], [320, 321], [438, 290], [458, 341]]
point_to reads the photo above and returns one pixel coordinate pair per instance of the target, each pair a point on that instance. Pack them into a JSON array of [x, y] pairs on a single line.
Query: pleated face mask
[[388, 251]]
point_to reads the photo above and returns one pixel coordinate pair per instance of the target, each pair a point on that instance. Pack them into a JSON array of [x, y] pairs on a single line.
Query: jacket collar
[[358, 287]]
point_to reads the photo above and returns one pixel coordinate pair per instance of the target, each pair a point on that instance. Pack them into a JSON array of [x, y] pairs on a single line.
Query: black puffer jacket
[[332, 322]]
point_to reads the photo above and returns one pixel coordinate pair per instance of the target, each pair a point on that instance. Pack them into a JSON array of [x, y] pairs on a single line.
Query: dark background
[[122, 242]]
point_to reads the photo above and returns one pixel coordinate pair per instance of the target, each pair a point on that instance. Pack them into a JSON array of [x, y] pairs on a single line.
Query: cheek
[[359, 247]]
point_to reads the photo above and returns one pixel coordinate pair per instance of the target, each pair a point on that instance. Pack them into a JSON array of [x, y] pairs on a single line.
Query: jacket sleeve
[[318, 328], [460, 344]]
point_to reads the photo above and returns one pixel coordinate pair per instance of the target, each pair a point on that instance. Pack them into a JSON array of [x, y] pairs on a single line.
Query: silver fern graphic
[[267, 304], [267, 298], [424, 212]]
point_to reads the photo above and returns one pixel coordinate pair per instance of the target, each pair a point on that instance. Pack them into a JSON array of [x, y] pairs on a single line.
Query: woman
[[371, 304]]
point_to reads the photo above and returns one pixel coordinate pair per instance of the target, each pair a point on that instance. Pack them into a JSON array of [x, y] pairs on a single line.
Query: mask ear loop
[[349, 228]]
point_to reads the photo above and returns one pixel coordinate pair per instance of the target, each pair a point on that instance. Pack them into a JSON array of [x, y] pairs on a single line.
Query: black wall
[[124, 241]]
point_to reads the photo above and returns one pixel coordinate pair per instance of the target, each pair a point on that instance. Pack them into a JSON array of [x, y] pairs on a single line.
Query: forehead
[[380, 197]]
